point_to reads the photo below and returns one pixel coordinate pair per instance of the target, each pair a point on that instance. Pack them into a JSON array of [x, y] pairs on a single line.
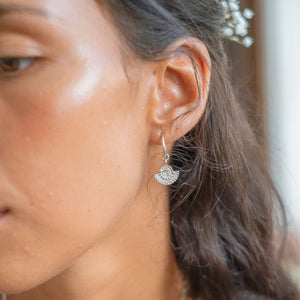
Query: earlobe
[[181, 89]]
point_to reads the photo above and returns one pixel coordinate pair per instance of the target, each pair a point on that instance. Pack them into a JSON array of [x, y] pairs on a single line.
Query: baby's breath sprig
[[236, 28]]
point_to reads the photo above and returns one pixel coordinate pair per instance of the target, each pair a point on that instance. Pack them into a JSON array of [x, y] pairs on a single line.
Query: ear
[[180, 93]]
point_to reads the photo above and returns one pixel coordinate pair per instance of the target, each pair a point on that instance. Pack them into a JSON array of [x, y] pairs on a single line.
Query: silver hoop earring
[[166, 174]]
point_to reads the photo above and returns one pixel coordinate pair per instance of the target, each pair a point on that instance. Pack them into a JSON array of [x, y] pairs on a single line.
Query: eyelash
[[22, 64]]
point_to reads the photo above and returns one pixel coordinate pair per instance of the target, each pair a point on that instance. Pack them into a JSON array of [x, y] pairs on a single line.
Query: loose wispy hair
[[222, 207]]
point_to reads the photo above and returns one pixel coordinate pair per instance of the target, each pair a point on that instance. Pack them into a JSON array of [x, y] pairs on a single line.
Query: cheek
[[68, 151]]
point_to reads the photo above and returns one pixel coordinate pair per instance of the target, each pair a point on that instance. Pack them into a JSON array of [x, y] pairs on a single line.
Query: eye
[[13, 65]]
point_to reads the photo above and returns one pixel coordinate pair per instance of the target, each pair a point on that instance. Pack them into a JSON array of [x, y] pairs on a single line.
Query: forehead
[[46, 6], [81, 19], [67, 11]]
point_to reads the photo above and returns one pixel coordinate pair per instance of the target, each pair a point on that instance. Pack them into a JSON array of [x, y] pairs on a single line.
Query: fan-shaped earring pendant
[[166, 174]]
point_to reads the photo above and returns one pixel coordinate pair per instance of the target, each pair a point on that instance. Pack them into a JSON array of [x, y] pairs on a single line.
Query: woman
[[90, 93]]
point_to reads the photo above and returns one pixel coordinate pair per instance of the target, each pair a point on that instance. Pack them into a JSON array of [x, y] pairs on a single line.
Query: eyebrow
[[8, 8]]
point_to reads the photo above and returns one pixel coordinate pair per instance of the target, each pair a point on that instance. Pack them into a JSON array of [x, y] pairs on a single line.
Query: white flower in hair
[[236, 28], [248, 13], [248, 41]]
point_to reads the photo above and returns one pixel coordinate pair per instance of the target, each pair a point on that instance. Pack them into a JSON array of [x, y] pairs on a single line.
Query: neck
[[134, 260]]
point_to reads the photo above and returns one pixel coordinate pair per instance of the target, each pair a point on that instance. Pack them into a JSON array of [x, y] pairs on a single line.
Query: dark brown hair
[[222, 207]]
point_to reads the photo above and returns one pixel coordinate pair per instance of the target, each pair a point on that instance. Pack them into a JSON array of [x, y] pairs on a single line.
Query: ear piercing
[[166, 174]]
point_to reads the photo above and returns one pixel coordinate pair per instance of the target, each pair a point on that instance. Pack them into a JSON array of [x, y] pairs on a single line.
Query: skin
[[80, 144]]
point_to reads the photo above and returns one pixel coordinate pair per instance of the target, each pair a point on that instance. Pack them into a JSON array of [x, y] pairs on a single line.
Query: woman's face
[[73, 136]]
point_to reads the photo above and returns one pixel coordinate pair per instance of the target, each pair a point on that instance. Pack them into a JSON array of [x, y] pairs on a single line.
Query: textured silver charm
[[166, 174]]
